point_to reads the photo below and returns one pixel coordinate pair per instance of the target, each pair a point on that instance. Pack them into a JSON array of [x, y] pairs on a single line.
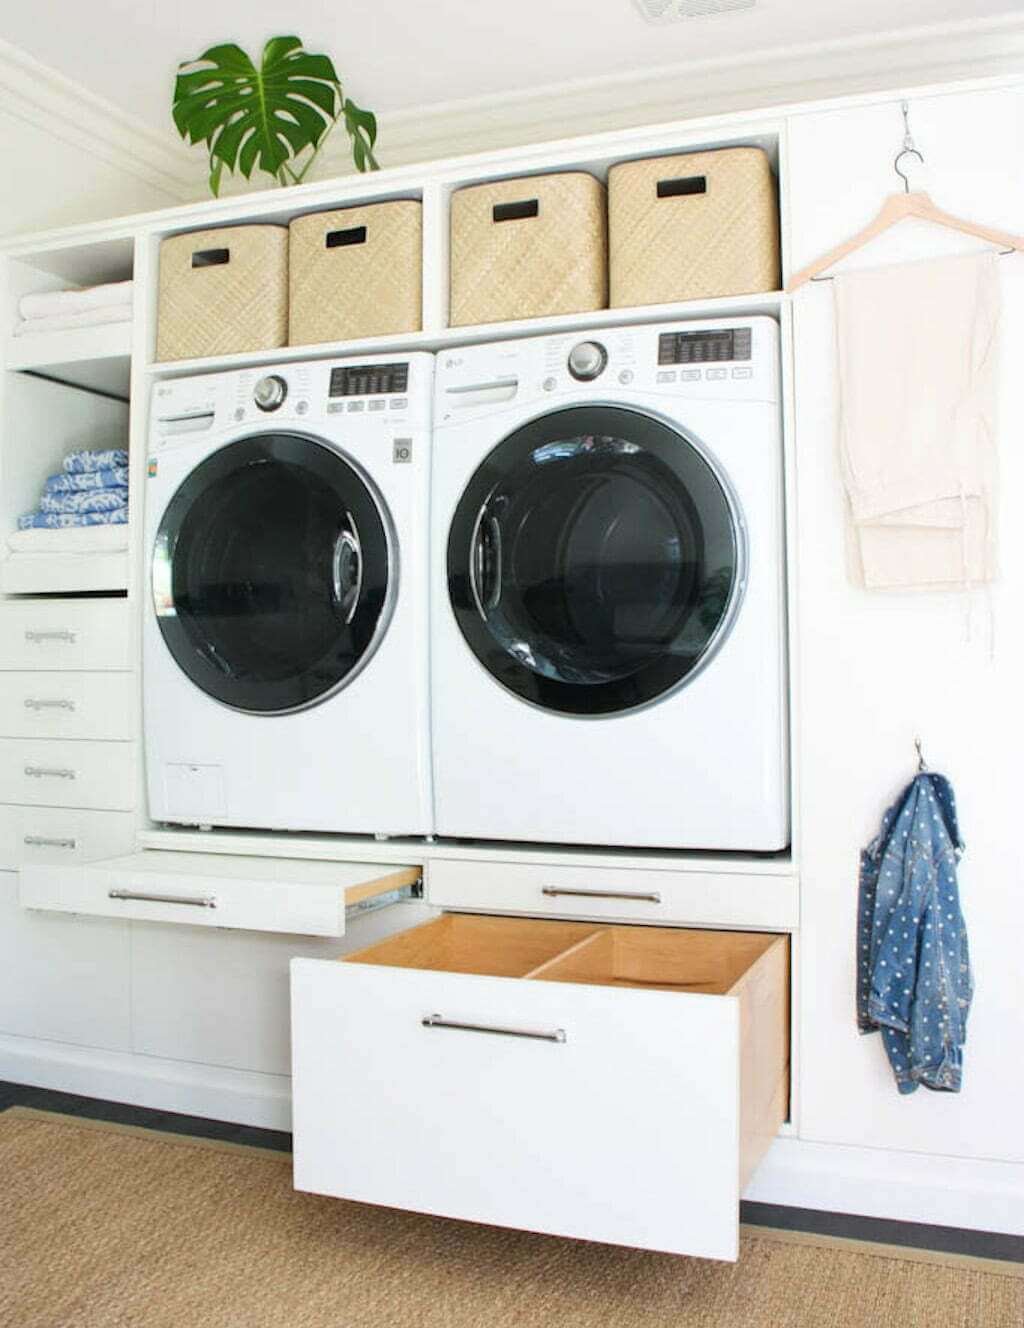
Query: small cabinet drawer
[[62, 835], [46, 772], [697, 898], [66, 705], [609, 1083], [217, 890], [65, 634]]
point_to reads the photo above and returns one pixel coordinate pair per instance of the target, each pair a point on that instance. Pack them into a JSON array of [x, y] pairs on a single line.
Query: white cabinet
[[64, 634], [609, 1083], [712, 898], [51, 772], [66, 705], [62, 978], [61, 836], [217, 997], [283, 895]]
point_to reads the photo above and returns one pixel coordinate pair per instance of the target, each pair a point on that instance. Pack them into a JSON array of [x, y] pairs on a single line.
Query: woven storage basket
[[528, 247], [692, 227], [356, 272], [223, 291]]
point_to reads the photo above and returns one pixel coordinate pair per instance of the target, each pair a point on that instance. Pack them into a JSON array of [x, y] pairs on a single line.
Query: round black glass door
[[593, 561], [271, 573]]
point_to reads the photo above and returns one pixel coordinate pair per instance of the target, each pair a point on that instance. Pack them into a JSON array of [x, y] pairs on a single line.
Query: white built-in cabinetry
[[196, 1018]]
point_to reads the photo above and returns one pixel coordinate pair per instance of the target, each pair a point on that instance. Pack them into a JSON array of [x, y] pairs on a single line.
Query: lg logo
[[402, 450]]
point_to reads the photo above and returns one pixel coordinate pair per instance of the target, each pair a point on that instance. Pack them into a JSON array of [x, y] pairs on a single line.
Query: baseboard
[[241, 1096], [975, 1194]]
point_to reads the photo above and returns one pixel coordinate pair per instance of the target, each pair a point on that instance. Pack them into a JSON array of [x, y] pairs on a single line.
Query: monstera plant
[[267, 118]]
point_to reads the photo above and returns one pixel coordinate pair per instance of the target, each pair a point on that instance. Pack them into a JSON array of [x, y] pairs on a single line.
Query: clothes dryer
[[608, 589]]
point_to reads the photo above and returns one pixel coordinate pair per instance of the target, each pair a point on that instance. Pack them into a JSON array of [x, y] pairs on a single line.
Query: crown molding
[[785, 77], [40, 96], [814, 72]]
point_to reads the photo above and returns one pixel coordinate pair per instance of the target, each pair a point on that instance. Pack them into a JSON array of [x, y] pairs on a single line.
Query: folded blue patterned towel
[[112, 477], [62, 520], [100, 500], [78, 463]]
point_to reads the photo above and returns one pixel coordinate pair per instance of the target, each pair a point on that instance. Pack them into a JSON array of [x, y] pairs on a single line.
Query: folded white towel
[[116, 313], [52, 303], [73, 539]]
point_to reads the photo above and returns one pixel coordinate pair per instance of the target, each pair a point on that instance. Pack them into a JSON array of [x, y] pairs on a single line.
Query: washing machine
[[285, 634], [608, 589]]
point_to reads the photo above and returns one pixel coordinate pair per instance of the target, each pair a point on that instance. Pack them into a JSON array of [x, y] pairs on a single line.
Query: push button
[[399, 403], [690, 376], [742, 373], [356, 405], [666, 376], [717, 373], [376, 405]]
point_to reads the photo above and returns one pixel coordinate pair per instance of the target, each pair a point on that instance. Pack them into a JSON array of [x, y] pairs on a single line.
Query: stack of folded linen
[[90, 490], [57, 311]]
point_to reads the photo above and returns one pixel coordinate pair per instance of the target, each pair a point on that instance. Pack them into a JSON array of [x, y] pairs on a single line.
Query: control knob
[[270, 392], [586, 360]]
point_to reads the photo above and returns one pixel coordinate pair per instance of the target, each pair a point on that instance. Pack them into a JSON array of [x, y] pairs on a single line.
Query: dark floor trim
[[912, 1235]]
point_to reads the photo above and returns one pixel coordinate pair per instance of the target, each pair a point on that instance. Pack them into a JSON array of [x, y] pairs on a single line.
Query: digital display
[[368, 380], [733, 343]]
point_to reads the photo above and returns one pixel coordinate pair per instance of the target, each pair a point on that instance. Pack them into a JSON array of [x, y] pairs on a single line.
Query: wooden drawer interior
[[662, 958], [471, 943]]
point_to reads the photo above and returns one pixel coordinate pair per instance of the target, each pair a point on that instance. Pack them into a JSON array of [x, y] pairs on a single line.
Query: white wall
[[877, 669], [51, 182]]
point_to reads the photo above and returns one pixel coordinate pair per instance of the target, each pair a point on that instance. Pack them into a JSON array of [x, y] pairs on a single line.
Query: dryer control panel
[[729, 360]]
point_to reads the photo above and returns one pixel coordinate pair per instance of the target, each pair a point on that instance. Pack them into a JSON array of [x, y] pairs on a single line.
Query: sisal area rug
[[108, 1226]]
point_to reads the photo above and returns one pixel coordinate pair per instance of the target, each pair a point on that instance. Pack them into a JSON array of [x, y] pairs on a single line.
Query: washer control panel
[[270, 392]]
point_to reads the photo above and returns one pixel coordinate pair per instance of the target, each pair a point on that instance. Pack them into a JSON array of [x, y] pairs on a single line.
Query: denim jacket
[[914, 978]]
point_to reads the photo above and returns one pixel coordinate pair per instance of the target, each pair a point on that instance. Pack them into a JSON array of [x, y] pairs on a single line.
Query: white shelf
[[769, 302], [97, 358], [75, 573]]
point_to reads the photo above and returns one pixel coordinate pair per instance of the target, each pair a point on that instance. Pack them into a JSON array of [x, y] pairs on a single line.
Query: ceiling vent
[[671, 11]]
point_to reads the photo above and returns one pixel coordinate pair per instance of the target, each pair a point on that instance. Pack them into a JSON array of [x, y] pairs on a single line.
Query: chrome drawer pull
[[42, 703], [651, 897], [41, 772], [436, 1021], [40, 841], [61, 635], [197, 901]]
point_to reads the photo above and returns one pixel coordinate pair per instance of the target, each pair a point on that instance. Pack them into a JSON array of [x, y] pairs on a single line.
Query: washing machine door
[[595, 561], [272, 573]]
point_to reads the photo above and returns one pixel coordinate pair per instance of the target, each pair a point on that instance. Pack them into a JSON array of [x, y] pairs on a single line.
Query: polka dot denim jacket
[[914, 980]]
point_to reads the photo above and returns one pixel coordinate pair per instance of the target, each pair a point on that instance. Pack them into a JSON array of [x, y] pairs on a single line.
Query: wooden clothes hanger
[[898, 207]]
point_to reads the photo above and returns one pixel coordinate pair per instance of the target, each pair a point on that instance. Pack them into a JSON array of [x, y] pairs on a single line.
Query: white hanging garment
[[918, 350]]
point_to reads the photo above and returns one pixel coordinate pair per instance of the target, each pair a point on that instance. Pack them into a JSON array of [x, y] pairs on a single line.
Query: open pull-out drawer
[[218, 890], [612, 1083]]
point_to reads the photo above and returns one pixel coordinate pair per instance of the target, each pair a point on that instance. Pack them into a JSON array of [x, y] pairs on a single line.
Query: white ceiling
[[396, 55]]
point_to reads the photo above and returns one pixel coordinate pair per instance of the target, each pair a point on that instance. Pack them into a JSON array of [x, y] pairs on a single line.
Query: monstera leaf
[[267, 117]]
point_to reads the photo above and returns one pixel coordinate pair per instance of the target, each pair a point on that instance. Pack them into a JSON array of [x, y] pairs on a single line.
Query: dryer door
[[595, 561], [272, 573]]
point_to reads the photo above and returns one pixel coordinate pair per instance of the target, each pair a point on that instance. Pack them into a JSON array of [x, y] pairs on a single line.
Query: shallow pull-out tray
[[610, 1083], [217, 890]]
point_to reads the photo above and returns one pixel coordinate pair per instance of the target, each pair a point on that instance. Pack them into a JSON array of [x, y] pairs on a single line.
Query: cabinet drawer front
[[594, 1112], [63, 634], [62, 704], [52, 773], [61, 835], [694, 898], [274, 895]]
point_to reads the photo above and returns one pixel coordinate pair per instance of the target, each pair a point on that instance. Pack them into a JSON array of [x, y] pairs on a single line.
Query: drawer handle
[[48, 703], [42, 772], [648, 897], [62, 635], [197, 901], [541, 1035], [40, 841]]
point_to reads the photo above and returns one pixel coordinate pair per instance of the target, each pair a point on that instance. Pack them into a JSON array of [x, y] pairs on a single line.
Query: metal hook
[[908, 150], [922, 764]]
